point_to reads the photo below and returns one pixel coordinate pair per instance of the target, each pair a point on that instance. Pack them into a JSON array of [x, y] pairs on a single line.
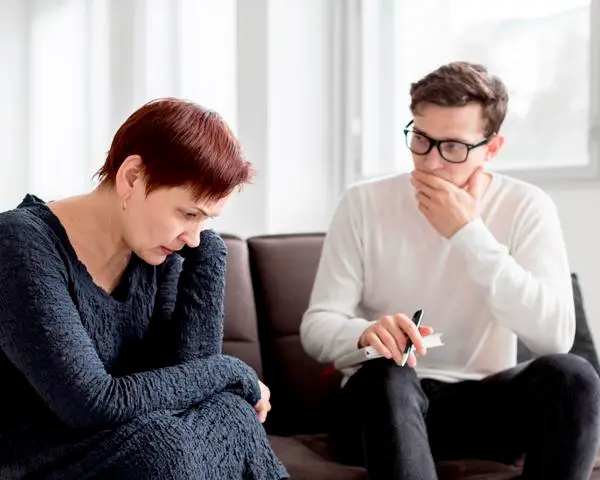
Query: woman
[[111, 317]]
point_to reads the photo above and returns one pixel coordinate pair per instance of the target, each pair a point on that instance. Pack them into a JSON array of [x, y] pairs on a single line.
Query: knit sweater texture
[[131, 384]]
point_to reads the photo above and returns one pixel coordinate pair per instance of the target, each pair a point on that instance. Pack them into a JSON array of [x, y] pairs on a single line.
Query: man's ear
[[494, 146], [130, 170]]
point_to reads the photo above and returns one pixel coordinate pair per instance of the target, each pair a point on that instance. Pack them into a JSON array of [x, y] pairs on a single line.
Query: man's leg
[[548, 409], [379, 423]]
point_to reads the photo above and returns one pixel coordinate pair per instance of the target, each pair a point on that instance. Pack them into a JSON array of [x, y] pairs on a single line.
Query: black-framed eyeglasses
[[453, 151]]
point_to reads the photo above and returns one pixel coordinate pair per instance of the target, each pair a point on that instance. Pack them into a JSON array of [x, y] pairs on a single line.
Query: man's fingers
[[476, 184], [423, 188], [425, 330], [424, 209], [389, 336], [389, 323], [423, 199], [412, 360], [433, 181], [411, 330], [377, 344], [391, 344]]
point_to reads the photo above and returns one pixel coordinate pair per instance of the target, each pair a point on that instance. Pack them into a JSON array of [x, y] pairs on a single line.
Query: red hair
[[180, 144]]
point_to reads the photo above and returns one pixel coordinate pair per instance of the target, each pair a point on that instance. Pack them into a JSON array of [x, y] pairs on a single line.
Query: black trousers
[[398, 426]]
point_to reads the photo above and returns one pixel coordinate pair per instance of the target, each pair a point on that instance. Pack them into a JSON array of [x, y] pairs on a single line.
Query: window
[[90, 63], [208, 39], [546, 51], [190, 51], [63, 121]]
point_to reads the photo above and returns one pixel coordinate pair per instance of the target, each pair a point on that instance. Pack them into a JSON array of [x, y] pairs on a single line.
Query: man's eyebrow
[[422, 132], [461, 140]]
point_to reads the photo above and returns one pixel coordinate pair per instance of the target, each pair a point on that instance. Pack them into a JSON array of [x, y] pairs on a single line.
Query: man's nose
[[433, 160]]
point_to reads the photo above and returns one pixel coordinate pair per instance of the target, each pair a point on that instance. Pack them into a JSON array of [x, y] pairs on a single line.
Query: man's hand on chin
[[448, 207]]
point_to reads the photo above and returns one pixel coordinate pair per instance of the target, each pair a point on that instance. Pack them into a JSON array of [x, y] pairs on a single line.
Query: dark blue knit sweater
[[95, 385]]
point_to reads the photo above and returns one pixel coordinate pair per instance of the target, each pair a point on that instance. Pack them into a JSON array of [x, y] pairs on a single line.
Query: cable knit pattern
[[127, 385]]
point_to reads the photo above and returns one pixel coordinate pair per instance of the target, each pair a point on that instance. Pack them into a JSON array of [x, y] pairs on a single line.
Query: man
[[483, 255]]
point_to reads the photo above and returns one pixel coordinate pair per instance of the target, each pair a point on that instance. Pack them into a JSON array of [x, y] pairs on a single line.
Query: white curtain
[[73, 70]]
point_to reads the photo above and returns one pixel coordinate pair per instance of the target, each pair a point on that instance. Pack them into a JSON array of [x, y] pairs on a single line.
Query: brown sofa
[[269, 279]]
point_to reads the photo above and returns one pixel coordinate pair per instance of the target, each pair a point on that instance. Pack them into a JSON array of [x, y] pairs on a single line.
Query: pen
[[417, 318]]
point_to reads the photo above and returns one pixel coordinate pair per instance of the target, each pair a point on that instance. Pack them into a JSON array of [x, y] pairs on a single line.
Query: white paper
[[434, 340]]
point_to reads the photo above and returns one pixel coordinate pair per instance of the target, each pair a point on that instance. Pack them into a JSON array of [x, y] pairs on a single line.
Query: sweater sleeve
[[188, 315], [42, 335], [331, 326], [529, 287]]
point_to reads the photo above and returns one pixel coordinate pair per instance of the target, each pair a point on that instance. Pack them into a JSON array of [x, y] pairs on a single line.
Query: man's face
[[461, 124]]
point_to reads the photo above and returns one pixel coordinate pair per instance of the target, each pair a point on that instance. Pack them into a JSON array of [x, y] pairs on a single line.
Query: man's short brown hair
[[458, 83]]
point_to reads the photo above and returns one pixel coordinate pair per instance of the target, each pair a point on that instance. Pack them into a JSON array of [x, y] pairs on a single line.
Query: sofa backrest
[[269, 281], [283, 270], [583, 344], [240, 329]]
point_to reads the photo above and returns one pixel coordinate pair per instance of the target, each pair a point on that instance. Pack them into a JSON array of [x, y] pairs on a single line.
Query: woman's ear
[[130, 170]]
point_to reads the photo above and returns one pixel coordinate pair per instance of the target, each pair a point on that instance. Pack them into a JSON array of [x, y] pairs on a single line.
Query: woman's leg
[[230, 422], [220, 438]]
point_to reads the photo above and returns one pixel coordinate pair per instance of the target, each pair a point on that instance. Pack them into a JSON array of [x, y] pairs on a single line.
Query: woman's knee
[[570, 376], [164, 444], [227, 404]]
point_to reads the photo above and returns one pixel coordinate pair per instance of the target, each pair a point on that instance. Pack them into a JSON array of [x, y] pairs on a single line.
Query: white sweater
[[503, 276]]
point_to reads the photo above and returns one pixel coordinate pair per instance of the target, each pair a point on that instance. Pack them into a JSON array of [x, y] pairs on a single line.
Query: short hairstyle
[[180, 144], [458, 83]]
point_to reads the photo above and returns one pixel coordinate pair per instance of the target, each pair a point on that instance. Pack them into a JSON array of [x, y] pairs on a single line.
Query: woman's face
[[164, 221]]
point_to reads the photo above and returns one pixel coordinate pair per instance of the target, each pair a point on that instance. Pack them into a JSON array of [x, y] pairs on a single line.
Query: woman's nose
[[192, 236]]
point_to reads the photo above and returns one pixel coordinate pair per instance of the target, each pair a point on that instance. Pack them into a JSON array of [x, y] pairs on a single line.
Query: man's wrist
[[461, 227], [474, 238]]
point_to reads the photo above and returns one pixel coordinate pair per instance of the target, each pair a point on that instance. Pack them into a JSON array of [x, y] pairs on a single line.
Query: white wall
[[13, 101], [299, 174], [578, 209]]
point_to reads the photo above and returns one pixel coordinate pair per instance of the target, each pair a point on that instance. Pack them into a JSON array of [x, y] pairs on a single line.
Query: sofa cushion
[[584, 343], [240, 330], [306, 458], [283, 270]]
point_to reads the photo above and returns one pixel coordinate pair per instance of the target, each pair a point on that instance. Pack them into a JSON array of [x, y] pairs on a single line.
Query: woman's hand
[[264, 405], [211, 245]]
